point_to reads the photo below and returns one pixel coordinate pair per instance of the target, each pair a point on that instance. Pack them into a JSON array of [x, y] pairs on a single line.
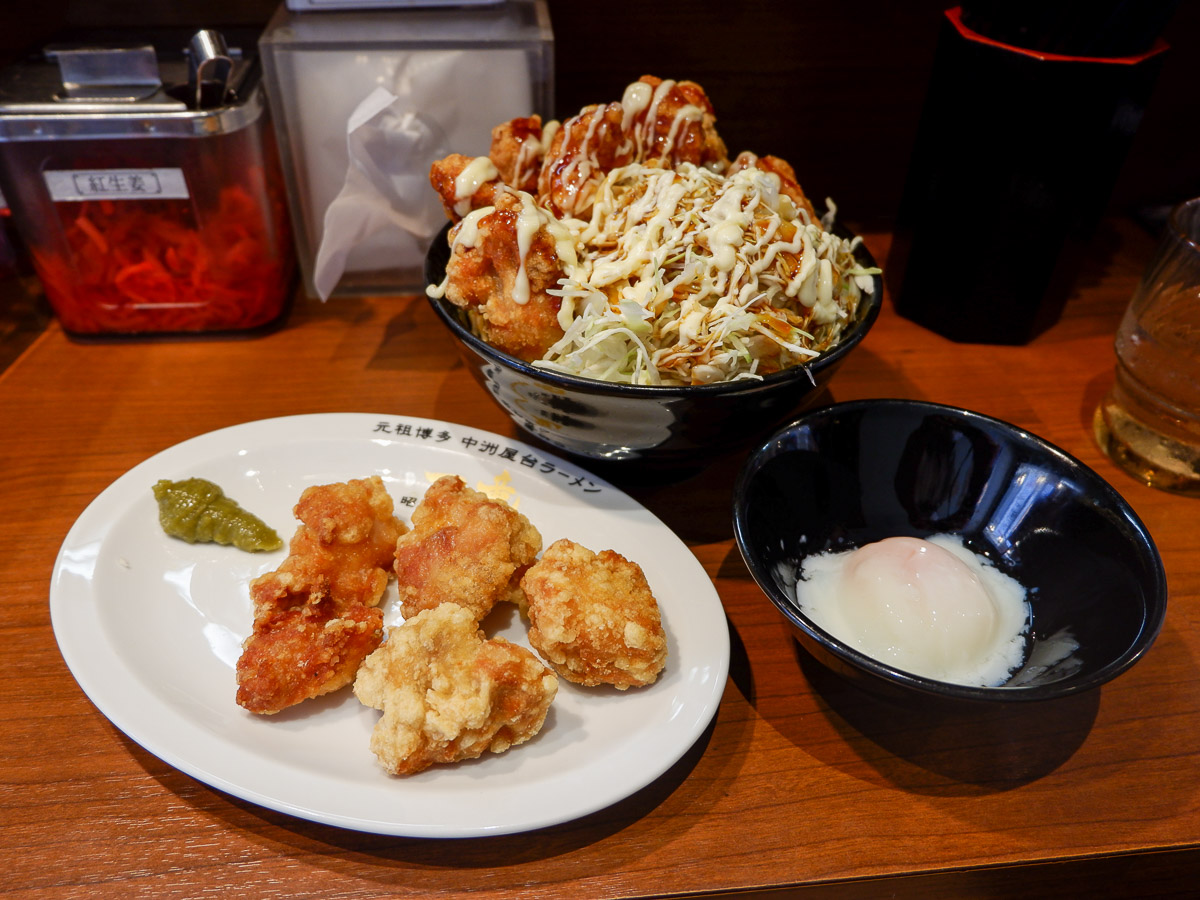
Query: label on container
[[67, 185]]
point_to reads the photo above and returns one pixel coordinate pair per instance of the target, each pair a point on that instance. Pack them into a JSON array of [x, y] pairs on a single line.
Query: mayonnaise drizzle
[[477, 172], [468, 229], [636, 98], [463, 235], [529, 220], [638, 134], [531, 151], [686, 266]]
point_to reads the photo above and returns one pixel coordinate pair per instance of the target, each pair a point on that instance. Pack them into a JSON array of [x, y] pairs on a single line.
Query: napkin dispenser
[[364, 100], [143, 180]]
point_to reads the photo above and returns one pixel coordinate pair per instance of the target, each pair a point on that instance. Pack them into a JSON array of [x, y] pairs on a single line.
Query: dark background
[[835, 88]]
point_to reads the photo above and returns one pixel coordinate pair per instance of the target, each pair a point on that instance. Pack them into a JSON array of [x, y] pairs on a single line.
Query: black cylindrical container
[[1016, 155]]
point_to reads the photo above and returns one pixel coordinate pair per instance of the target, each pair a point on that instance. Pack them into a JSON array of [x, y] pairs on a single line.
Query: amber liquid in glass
[[1149, 423]]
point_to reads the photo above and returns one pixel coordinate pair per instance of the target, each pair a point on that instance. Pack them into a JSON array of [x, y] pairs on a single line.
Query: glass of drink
[[1149, 422]]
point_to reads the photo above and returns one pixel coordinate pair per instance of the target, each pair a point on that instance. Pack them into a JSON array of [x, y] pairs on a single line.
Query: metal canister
[[144, 182]]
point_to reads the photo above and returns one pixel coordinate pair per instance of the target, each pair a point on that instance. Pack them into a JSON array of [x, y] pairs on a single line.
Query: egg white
[[928, 607]]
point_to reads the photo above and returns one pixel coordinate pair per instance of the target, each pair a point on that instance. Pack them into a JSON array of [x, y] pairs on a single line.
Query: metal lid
[[118, 89]]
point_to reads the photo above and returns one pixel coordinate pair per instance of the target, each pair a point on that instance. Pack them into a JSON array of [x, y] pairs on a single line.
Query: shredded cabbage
[[686, 276]]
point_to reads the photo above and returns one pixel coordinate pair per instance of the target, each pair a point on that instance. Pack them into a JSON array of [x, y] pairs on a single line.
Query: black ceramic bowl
[[670, 426], [857, 472]]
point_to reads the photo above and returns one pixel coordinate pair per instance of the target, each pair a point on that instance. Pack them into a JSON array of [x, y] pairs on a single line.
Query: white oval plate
[[151, 627]]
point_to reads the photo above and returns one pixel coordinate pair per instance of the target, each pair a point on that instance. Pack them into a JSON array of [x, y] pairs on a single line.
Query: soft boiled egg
[[929, 607]]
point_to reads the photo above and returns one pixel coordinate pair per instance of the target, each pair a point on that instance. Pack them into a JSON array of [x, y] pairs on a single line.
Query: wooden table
[[800, 782]]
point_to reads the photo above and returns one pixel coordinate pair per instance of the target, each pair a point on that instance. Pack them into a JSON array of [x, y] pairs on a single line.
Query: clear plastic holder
[[449, 75]]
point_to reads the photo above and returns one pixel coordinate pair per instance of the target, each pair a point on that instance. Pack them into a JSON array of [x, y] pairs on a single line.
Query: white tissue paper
[[382, 207], [424, 106]]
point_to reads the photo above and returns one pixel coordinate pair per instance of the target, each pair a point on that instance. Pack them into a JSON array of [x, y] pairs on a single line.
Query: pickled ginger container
[[144, 182]]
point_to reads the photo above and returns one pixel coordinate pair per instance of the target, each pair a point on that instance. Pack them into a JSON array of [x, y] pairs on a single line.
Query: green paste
[[199, 512]]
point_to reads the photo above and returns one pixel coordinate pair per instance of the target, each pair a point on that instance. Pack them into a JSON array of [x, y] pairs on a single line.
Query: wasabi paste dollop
[[197, 511]]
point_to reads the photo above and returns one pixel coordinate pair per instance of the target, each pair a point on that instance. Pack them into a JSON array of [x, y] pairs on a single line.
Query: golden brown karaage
[[593, 617], [316, 616], [464, 548], [657, 121], [503, 280], [464, 183], [449, 694], [517, 150]]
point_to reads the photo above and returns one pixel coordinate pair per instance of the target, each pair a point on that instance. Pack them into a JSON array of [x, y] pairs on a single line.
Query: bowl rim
[[869, 308], [1099, 491]]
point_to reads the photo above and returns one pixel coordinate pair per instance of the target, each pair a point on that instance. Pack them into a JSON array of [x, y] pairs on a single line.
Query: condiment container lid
[[165, 84]]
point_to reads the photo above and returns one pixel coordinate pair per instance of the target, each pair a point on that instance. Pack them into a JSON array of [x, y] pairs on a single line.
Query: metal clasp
[[210, 68], [109, 74]]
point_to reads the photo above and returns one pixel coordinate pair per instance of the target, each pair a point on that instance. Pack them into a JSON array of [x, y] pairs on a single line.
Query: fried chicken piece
[[314, 617], [787, 178], [346, 539], [678, 126], [518, 149], [465, 548], [589, 145], [304, 652], [447, 693], [593, 617], [657, 121], [503, 287], [464, 183]]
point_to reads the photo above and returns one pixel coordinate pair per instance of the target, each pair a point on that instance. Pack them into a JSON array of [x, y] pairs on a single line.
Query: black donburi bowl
[[857, 472], [665, 426]]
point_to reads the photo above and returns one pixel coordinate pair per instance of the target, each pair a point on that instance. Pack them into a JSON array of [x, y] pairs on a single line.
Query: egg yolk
[[932, 609]]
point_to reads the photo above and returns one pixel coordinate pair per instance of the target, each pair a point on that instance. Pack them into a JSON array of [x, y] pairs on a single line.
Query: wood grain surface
[[802, 784]]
